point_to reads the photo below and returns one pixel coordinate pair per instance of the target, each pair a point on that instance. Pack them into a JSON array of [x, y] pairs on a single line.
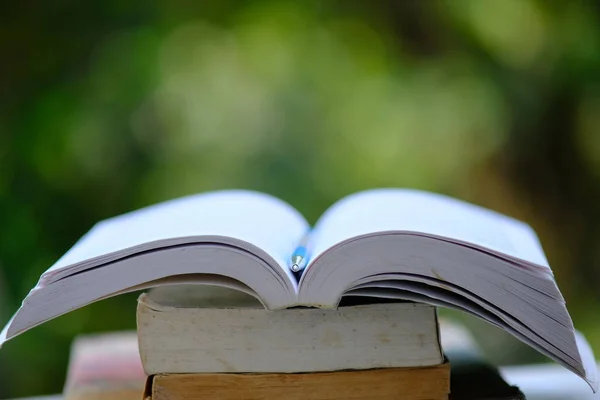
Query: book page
[[259, 219], [385, 210]]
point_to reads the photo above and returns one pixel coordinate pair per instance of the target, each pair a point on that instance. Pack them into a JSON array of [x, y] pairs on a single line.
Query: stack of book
[[366, 351], [175, 354], [343, 310]]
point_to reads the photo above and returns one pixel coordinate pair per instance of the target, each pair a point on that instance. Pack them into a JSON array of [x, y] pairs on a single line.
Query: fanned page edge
[[46, 303], [264, 221], [528, 251], [281, 225], [585, 369]]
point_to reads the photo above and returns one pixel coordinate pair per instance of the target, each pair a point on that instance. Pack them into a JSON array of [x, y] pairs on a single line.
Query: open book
[[387, 243]]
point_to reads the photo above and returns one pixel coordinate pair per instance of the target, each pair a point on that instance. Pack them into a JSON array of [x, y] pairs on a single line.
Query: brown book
[[105, 366], [423, 383]]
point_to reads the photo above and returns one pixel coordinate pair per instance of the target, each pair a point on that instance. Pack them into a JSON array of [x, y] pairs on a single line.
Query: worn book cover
[[423, 383]]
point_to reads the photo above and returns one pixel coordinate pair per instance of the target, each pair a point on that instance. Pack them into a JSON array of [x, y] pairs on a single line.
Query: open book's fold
[[387, 243]]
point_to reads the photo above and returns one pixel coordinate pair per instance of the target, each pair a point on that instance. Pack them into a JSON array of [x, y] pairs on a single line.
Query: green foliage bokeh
[[112, 106]]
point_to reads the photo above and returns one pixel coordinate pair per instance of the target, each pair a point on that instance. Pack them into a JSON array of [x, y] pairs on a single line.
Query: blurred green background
[[109, 106]]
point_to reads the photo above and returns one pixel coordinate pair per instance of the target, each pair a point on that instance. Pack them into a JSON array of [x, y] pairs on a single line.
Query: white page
[[259, 219], [384, 210]]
